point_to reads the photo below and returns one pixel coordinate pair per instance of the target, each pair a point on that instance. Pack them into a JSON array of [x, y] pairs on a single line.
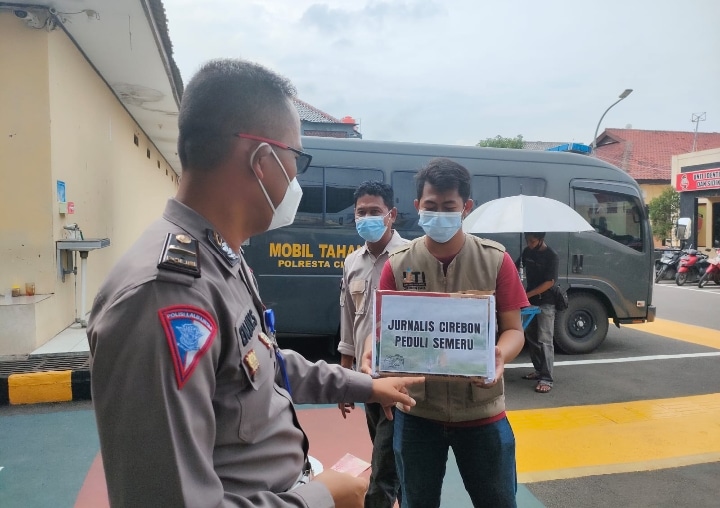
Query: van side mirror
[[683, 230]]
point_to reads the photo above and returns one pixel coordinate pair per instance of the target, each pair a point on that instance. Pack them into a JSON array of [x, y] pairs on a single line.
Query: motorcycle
[[692, 267], [666, 267], [712, 271]]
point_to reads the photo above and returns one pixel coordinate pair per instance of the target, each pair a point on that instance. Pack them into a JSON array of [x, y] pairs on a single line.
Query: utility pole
[[696, 119]]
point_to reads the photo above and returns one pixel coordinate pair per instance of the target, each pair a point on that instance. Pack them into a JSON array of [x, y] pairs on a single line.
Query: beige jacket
[[361, 276], [476, 267]]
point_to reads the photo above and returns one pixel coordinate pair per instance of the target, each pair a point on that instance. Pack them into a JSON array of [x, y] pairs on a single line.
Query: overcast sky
[[458, 71]]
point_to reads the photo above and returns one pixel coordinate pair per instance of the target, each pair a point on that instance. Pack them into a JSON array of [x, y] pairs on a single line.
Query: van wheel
[[582, 327]]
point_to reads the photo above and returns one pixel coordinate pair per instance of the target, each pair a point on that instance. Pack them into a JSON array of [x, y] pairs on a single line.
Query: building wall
[[65, 124], [26, 247], [652, 190], [691, 202], [329, 130]]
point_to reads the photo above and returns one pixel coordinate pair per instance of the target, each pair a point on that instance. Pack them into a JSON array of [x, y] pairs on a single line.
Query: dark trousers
[[384, 483]]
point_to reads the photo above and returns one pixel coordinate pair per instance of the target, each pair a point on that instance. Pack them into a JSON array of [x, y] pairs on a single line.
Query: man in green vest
[[467, 416]]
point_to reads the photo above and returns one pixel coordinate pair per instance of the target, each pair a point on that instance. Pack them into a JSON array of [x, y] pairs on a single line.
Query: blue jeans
[[485, 458]]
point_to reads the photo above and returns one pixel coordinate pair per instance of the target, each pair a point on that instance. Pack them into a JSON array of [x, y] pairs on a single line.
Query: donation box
[[434, 334]]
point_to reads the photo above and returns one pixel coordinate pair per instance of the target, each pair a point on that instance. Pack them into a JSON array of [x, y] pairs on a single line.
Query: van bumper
[[634, 321], [651, 313]]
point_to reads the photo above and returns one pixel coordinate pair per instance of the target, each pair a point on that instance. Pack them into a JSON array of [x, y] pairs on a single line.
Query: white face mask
[[284, 214]]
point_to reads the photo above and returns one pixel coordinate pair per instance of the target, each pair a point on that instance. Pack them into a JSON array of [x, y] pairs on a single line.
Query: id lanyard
[[269, 316]]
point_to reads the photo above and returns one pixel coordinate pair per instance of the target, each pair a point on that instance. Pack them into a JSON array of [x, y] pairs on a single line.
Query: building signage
[[698, 180]]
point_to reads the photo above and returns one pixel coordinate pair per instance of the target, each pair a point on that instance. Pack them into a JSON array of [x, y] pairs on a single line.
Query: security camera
[[29, 18]]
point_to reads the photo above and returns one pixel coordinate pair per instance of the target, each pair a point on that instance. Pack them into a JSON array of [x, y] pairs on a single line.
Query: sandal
[[532, 376], [543, 387]]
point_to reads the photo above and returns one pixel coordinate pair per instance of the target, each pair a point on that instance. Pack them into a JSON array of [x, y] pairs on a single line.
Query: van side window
[[328, 195], [340, 185], [310, 211], [487, 188], [615, 216], [403, 183], [484, 189], [516, 185]]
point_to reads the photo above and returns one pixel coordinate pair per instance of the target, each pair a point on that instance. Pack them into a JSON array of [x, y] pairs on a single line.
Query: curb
[[45, 379]]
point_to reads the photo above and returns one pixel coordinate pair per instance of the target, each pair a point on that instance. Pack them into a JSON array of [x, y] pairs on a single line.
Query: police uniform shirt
[[361, 277], [188, 396]]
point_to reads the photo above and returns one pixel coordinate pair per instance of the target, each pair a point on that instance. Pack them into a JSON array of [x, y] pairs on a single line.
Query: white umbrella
[[525, 214]]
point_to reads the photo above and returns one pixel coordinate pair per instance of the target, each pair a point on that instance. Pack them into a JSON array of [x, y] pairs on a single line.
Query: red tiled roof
[[647, 155], [311, 113]]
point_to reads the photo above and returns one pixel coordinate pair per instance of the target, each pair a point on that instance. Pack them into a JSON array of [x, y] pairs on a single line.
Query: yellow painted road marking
[[681, 331], [35, 387], [570, 442]]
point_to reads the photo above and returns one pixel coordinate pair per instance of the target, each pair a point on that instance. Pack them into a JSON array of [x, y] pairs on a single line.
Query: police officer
[[193, 398]]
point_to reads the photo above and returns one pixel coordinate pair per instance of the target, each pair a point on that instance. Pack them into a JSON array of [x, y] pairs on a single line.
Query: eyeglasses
[[302, 161]]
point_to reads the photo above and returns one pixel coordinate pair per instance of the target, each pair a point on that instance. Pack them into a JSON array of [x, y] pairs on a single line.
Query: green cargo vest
[[476, 266]]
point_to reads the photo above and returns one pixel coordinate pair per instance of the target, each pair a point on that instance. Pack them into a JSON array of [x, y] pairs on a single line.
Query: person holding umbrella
[[541, 270]]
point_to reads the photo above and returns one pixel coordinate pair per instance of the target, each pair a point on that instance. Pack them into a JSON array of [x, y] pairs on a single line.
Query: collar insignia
[[189, 332], [222, 247]]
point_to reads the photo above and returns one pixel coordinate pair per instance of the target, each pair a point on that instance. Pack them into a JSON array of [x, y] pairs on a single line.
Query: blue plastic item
[[528, 313], [572, 147]]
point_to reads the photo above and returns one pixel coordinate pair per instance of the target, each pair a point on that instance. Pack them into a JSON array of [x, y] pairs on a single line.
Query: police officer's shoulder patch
[[180, 254], [190, 332]]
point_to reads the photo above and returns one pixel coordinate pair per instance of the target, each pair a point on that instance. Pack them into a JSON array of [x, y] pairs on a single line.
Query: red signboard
[[70, 207], [698, 180]]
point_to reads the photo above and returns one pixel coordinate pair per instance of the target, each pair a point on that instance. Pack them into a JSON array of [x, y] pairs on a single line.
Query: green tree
[[664, 210], [501, 142]]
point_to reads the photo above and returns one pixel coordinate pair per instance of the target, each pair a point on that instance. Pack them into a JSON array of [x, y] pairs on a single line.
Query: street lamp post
[[622, 96]]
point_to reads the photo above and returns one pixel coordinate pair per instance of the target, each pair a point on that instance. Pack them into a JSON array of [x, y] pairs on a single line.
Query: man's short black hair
[[444, 175], [226, 97], [536, 236], [372, 188]]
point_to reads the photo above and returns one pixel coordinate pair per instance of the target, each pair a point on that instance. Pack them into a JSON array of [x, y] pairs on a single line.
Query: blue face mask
[[371, 228], [440, 226]]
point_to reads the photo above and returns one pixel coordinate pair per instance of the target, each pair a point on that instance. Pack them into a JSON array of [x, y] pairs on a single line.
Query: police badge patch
[[189, 332]]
